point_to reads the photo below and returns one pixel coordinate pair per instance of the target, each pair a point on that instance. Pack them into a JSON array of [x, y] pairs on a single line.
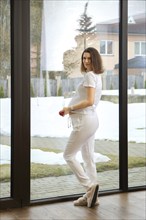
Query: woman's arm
[[83, 104]]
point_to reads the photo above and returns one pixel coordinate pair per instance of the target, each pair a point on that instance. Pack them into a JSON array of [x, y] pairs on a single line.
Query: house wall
[[72, 58], [109, 61]]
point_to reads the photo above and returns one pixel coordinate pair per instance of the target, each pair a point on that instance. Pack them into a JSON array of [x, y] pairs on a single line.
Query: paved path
[[101, 146], [67, 185]]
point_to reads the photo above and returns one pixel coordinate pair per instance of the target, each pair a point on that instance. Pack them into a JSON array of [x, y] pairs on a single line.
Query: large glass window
[[5, 99], [137, 93], [57, 41]]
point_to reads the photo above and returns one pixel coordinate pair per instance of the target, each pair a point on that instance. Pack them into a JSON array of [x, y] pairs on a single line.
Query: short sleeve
[[89, 80]]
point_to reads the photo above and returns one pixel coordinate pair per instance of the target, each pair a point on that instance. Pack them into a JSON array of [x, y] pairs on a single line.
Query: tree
[[4, 38], [85, 23], [36, 30]]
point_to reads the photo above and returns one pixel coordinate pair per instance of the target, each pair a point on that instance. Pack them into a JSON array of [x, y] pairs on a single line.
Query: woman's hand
[[83, 104], [64, 111]]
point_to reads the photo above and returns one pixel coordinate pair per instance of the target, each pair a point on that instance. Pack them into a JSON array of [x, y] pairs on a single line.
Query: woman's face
[[87, 61]]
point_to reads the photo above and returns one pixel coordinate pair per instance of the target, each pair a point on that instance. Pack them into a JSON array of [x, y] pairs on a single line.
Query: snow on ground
[[39, 156], [46, 122]]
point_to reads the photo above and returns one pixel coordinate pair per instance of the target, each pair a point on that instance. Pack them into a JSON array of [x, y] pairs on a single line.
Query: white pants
[[82, 139]]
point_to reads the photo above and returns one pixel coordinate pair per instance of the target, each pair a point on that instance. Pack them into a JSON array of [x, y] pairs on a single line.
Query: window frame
[[140, 48], [106, 47]]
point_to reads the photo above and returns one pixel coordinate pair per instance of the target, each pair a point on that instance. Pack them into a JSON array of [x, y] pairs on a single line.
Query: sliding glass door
[[137, 93], [57, 41]]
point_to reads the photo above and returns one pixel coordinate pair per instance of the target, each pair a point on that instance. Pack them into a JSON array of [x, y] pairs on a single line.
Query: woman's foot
[[82, 201], [92, 194]]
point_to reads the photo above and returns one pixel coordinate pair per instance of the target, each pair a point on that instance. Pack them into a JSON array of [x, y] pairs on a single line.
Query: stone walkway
[[68, 185], [101, 146]]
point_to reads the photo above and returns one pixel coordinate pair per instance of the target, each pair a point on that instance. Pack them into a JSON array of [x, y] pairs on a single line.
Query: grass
[[140, 128], [44, 170]]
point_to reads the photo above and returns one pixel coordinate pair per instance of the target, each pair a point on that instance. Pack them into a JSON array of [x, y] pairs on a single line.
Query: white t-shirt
[[90, 79]]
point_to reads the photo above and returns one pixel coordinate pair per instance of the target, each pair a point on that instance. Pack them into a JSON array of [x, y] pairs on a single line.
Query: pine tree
[[85, 23]]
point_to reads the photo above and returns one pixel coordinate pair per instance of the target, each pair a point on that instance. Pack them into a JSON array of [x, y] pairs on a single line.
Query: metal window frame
[[20, 105], [20, 140], [123, 122]]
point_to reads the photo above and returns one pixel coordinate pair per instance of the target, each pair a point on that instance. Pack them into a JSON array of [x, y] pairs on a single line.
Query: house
[[106, 40], [136, 65]]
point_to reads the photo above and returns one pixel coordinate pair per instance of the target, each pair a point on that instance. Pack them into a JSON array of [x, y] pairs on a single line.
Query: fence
[[56, 87]]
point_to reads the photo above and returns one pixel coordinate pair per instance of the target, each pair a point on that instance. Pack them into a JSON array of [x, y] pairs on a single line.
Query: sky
[[60, 21]]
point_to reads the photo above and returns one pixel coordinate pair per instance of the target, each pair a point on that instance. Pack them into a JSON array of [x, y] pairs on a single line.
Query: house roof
[[136, 25], [138, 62]]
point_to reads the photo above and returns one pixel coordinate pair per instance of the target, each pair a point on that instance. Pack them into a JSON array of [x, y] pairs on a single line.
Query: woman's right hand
[[64, 111]]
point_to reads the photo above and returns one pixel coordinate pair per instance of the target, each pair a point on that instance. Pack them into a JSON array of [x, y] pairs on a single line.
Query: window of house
[[140, 48], [106, 47]]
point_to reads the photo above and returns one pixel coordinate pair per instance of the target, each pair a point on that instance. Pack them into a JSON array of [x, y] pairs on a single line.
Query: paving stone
[[67, 185]]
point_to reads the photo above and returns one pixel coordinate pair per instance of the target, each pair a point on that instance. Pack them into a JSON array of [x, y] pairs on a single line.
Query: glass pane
[[109, 47], [5, 99], [143, 48], [57, 41], [137, 94], [137, 48], [103, 47]]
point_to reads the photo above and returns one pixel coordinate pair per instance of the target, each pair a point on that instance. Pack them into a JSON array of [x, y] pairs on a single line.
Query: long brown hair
[[95, 60]]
